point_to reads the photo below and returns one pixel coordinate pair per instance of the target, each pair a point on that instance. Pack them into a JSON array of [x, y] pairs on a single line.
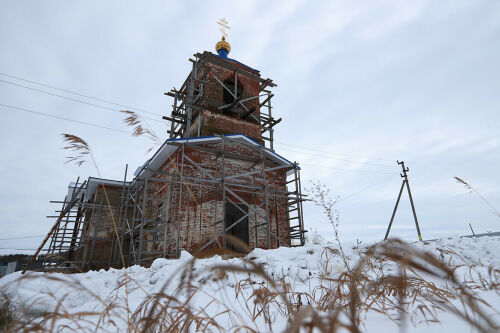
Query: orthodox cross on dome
[[224, 25], [222, 47]]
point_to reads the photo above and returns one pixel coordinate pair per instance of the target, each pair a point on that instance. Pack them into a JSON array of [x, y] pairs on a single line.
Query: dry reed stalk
[[330, 308], [341, 301], [6, 312], [50, 321], [415, 261], [82, 149], [472, 189], [358, 291], [175, 315], [135, 121]]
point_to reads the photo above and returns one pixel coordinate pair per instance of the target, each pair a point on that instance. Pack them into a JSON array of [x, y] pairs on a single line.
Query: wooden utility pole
[[405, 182]]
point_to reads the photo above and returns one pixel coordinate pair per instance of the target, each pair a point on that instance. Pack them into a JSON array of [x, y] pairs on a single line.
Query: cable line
[[1, 239], [330, 152], [122, 131], [9, 248], [157, 114], [63, 118], [351, 170], [78, 94], [355, 184], [364, 189], [73, 99], [339, 159]]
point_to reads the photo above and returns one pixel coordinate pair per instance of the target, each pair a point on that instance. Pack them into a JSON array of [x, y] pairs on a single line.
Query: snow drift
[[450, 284]]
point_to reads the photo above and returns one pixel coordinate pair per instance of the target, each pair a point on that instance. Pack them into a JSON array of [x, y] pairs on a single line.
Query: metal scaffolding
[[146, 231], [190, 99], [152, 209], [66, 237], [143, 232], [74, 237]]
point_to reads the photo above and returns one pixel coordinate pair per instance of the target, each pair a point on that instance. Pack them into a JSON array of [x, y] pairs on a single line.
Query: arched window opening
[[228, 96]]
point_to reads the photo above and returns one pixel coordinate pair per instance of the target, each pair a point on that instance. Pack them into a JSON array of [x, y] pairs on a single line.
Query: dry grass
[[136, 122], [394, 279], [6, 311], [82, 149], [79, 147], [472, 189]]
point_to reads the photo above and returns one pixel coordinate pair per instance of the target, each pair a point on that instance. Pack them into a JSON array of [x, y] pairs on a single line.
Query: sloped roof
[[93, 183], [91, 187], [168, 148], [165, 151], [237, 62]]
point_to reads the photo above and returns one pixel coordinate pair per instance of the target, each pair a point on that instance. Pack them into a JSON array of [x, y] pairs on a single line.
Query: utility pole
[[405, 182]]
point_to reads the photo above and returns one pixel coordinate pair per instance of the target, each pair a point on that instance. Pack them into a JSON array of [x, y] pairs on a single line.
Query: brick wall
[[200, 217], [201, 206], [210, 123], [209, 119], [98, 226]]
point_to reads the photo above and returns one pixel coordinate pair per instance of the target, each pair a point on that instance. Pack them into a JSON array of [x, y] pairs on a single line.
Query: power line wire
[[63, 118], [122, 131], [1, 239], [157, 114], [351, 170], [79, 94], [72, 99], [334, 153], [339, 159], [356, 183], [364, 189]]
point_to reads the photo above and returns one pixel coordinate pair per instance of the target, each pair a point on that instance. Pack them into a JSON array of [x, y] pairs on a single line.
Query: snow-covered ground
[[304, 276], [6, 252]]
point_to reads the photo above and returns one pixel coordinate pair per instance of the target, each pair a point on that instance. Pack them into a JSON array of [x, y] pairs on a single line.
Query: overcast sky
[[361, 84]]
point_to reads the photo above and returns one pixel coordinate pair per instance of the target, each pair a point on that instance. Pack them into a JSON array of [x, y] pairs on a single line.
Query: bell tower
[[223, 96]]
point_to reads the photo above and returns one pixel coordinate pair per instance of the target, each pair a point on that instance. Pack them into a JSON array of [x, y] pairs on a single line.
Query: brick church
[[217, 185]]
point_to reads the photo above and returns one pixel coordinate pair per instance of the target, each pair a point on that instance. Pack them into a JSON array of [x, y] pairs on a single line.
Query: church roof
[[168, 148], [237, 62], [92, 183], [232, 62]]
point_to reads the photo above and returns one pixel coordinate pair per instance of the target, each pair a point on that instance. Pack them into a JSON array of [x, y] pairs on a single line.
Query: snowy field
[[6, 252], [309, 286]]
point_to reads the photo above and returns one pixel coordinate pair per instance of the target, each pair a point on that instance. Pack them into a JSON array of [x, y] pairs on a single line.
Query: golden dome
[[223, 45]]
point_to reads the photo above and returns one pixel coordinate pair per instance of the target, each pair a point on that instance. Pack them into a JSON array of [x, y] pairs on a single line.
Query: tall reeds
[[81, 150], [394, 279], [472, 189]]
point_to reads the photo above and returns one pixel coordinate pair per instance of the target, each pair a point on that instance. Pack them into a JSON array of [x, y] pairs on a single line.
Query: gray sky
[[360, 83]]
